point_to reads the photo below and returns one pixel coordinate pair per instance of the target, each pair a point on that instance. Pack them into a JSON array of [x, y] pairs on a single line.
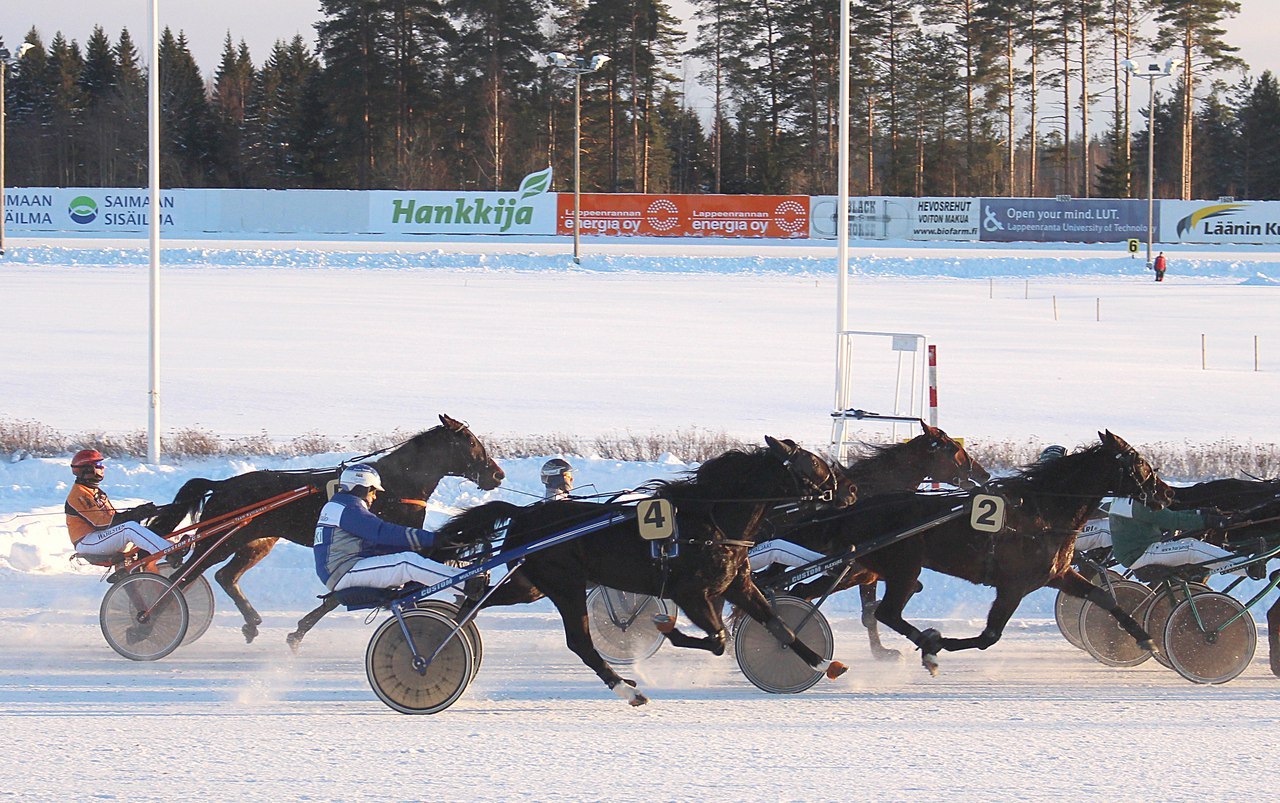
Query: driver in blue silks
[[355, 548]]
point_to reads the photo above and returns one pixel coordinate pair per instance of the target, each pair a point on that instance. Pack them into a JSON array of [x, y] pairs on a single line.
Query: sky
[[261, 24]]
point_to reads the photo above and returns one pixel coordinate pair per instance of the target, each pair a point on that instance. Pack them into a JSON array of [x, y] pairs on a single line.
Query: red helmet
[[86, 457]]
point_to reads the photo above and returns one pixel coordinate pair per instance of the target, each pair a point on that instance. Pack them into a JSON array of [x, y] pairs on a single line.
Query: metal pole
[[577, 165], [842, 231], [4, 67], [1151, 160], [153, 175]]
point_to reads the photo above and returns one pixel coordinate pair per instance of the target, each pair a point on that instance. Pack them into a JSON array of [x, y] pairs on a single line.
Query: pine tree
[[1191, 26], [188, 147], [352, 36], [232, 84], [1259, 156]]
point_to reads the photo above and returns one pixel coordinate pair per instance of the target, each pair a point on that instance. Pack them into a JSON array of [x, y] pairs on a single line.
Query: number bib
[[986, 513]]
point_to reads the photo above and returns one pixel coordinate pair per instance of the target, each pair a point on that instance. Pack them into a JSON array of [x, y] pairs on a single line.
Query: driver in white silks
[[355, 548]]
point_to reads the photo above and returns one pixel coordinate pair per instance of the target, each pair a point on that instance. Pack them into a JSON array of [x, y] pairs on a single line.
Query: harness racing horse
[[1048, 504], [719, 510], [931, 455], [410, 474]]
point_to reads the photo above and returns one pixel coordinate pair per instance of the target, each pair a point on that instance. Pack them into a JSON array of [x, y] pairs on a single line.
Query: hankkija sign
[[529, 210]]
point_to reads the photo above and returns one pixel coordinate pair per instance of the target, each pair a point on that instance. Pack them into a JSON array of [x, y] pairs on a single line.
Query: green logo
[[83, 209]]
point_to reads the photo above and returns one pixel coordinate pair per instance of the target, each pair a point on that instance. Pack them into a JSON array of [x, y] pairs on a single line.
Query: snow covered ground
[[345, 338]]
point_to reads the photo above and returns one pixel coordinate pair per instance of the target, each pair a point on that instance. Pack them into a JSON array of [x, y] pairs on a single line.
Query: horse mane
[[475, 524], [1051, 472], [712, 477]]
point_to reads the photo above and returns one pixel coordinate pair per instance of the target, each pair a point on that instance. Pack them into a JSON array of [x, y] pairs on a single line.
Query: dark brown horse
[[931, 455], [410, 474], [1047, 505], [719, 510]]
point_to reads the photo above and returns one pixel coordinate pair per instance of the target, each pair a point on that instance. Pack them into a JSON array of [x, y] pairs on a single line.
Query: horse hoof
[[250, 633], [835, 669], [886, 655], [930, 662], [295, 642], [627, 690], [1149, 646]]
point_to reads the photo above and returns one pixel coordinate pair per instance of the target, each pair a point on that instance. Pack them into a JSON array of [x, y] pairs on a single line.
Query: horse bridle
[[818, 492], [1146, 485]]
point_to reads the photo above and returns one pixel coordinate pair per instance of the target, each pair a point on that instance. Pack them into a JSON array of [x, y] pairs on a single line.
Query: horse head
[[814, 476], [1137, 480], [948, 461], [470, 459]]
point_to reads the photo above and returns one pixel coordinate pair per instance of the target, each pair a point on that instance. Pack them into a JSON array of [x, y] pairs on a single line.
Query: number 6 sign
[[987, 513]]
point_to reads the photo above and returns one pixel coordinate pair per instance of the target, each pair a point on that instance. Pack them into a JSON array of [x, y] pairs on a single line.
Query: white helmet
[[360, 474]]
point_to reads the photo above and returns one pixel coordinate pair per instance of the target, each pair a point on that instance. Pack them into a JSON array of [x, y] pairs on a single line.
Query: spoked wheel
[[469, 629], [621, 624], [1066, 611], [143, 618], [1102, 636], [773, 667], [1202, 646], [199, 596], [419, 688], [1158, 608]]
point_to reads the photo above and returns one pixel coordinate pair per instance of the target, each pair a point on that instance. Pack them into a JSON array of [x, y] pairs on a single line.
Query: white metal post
[[842, 227], [4, 67], [577, 166], [153, 175], [1151, 160]]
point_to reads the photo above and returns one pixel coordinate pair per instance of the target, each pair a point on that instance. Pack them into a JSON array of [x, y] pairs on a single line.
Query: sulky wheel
[[143, 617], [1102, 636], [773, 667], [413, 686], [1210, 638], [199, 596], [1066, 610], [1157, 611], [469, 629], [621, 624]]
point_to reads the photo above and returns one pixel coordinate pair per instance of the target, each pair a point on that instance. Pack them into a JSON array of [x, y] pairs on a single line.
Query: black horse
[[1227, 495], [719, 510], [410, 474], [1047, 505], [897, 467]]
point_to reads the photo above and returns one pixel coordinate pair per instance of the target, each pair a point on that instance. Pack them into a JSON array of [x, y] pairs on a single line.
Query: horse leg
[[867, 593], [294, 639], [1273, 637], [998, 616], [705, 614], [571, 602], [746, 596], [897, 593], [244, 559], [1073, 583]]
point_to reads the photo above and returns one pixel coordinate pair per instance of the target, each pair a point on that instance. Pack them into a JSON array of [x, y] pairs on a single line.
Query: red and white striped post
[[933, 386]]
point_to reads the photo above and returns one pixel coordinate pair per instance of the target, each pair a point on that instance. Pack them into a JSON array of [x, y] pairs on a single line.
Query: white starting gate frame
[[865, 361]]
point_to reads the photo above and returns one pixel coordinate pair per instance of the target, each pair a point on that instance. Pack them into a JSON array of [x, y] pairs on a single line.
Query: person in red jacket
[[95, 526], [1160, 265]]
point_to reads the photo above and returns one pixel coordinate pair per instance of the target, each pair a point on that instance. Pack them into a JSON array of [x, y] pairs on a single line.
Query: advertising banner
[[1079, 220], [93, 210], [687, 215], [891, 218], [528, 210], [1212, 222]]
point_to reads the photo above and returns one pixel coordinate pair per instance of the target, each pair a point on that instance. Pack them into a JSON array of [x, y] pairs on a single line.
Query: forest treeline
[[948, 97]]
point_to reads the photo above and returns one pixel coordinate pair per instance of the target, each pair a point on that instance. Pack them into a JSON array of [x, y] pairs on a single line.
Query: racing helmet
[[360, 475], [86, 457], [1052, 452], [554, 472]]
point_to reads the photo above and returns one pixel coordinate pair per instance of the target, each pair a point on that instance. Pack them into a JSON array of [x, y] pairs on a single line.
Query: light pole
[[578, 66], [4, 69], [1151, 69]]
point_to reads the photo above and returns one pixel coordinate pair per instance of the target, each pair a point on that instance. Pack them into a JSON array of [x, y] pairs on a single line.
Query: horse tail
[[188, 502], [477, 524]]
